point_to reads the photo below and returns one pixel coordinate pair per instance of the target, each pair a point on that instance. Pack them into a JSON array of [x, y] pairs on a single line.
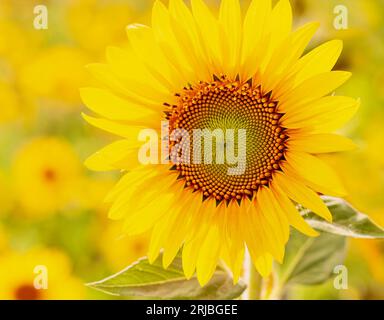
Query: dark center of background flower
[[49, 175], [229, 104], [27, 292]]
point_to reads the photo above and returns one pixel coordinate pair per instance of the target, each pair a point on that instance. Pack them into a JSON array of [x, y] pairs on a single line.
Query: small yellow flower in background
[[198, 72], [374, 138], [46, 172], [55, 75], [38, 274], [362, 16], [6, 194], [3, 239], [371, 252], [93, 189], [120, 250], [17, 44], [10, 103], [94, 24]]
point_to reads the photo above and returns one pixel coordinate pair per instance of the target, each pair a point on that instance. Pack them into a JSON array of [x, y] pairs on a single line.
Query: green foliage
[[145, 280], [311, 260], [347, 221]]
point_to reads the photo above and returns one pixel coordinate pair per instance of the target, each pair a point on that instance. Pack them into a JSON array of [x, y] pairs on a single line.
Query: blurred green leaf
[[347, 221], [311, 261], [145, 280]]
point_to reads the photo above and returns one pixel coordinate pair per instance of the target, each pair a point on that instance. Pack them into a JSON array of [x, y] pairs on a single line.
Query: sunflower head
[[38, 274], [46, 170], [248, 83], [222, 105]]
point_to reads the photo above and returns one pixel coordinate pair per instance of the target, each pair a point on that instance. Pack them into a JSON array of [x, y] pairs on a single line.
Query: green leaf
[[347, 221], [311, 261], [145, 280]]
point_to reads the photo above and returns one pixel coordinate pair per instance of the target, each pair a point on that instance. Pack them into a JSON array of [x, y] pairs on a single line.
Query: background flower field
[[51, 207]]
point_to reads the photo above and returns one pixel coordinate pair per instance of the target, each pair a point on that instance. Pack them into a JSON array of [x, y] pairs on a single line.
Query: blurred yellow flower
[[55, 75], [46, 172], [3, 239], [120, 250], [16, 43], [92, 191], [94, 24], [371, 252], [19, 275], [10, 103], [6, 194], [363, 16], [374, 138]]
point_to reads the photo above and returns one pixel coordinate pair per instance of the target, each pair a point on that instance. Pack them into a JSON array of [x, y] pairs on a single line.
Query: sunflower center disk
[[222, 106]]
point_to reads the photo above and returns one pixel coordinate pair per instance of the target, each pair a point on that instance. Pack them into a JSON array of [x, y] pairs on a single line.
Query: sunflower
[[46, 174], [93, 24], [199, 71], [6, 195], [44, 79], [11, 110], [120, 250], [3, 239], [27, 282]]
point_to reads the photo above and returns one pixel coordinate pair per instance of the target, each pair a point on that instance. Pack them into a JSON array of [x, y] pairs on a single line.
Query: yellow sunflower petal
[[121, 154], [253, 28], [202, 219], [280, 24], [136, 93], [141, 195], [144, 43], [285, 56], [129, 179], [321, 59], [263, 264], [251, 228], [134, 74], [209, 31], [287, 207], [208, 255], [237, 265], [323, 115], [278, 222], [110, 106], [188, 37], [299, 193], [163, 31], [320, 143], [230, 22], [129, 131], [315, 172], [190, 254], [270, 232], [179, 227], [234, 244], [143, 219], [312, 89], [157, 237]]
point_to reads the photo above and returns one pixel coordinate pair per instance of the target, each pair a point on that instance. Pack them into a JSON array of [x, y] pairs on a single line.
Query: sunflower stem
[[255, 283]]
